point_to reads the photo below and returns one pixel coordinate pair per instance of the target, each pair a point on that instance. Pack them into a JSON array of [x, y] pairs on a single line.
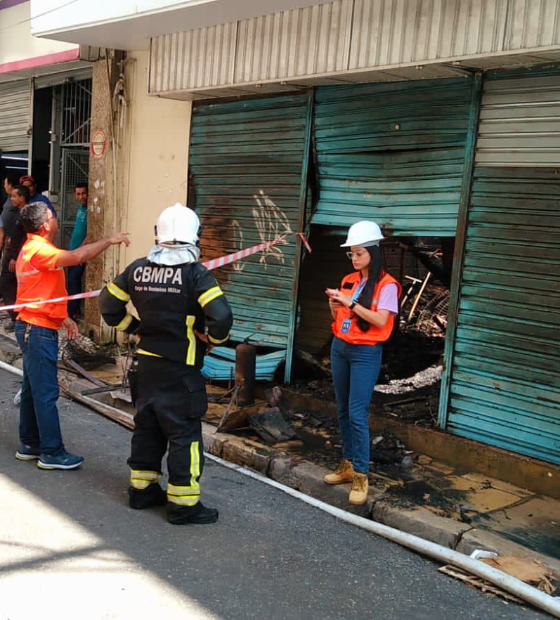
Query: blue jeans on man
[[355, 369], [39, 425]]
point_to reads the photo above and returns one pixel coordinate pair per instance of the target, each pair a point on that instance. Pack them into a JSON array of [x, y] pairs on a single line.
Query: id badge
[[345, 326]]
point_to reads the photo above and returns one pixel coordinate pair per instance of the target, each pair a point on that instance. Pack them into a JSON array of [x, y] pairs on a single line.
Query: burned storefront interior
[[409, 383]]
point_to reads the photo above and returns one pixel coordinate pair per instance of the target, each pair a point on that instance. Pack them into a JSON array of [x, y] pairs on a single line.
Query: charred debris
[[407, 390], [410, 379]]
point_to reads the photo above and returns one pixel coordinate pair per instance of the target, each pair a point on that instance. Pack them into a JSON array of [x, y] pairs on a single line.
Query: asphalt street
[[71, 548]]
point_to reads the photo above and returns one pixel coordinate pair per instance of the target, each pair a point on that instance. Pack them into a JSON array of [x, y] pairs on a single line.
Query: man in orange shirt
[[40, 276]]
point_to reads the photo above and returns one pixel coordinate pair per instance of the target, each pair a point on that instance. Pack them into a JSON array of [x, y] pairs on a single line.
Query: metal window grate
[[76, 112]]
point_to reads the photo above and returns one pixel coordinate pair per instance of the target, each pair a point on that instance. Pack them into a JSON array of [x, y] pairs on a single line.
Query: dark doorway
[[42, 123]]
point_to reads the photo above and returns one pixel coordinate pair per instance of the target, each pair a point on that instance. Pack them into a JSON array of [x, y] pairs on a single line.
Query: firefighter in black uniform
[[182, 311]]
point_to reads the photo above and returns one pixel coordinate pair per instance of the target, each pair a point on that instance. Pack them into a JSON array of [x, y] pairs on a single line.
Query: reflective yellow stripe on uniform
[[209, 296], [195, 464], [179, 491], [141, 479], [144, 352], [184, 500], [123, 325], [188, 495], [191, 338], [117, 292]]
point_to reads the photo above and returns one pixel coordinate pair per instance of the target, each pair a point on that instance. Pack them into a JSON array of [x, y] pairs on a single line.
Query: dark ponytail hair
[[375, 270]]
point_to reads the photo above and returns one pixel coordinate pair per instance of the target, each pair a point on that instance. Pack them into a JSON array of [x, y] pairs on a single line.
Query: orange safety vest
[[355, 335], [34, 285]]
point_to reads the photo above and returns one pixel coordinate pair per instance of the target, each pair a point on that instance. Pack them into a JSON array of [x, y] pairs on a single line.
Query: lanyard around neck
[[359, 290]]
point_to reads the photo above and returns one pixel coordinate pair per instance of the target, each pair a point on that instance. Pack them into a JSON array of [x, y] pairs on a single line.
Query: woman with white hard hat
[[363, 312]]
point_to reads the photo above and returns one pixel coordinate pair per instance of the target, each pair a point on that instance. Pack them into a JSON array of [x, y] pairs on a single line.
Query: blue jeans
[[355, 369], [39, 425]]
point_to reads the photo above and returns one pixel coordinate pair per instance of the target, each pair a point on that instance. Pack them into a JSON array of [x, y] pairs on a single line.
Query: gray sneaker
[[62, 461], [27, 453]]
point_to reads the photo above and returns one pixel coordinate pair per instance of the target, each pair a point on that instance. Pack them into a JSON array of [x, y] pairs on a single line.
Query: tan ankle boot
[[343, 473], [359, 491]]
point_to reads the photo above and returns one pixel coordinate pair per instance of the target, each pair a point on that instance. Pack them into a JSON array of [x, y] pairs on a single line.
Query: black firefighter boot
[[197, 514], [152, 495]]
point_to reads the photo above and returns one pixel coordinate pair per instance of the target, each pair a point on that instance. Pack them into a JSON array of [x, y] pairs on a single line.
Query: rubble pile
[[424, 308], [422, 378], [387, 448], [86, 352]]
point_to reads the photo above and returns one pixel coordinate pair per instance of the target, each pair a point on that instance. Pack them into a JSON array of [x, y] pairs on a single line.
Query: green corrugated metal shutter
[[394, 153], [505, 374], [15, 110], [248, 163]]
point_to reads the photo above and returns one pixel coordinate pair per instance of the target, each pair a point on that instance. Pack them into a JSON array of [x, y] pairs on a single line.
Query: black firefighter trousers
[[170, 401]]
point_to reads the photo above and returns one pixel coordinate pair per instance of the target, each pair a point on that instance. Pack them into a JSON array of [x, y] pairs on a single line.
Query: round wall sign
[[98, 144]]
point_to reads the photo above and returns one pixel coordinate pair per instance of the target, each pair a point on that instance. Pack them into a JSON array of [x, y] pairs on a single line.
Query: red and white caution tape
[[52, 301], [305, 242], [231, 258], [215, 263]]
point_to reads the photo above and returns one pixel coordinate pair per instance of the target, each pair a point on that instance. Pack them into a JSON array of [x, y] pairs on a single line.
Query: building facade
[[435, 118]]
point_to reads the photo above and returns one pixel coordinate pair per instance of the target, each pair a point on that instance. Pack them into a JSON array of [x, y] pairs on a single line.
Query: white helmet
[[363, 233], [177, 225]]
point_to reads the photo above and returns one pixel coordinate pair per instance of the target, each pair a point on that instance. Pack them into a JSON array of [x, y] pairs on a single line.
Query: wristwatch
[[352, 305]]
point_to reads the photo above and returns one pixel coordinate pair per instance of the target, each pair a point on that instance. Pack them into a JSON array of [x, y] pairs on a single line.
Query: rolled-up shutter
[[61, 77], [393, 153], [15, 110]]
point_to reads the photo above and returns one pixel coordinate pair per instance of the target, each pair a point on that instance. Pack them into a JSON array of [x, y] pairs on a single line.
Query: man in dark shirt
[[13, 241], [34, 196], [11, 179]]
